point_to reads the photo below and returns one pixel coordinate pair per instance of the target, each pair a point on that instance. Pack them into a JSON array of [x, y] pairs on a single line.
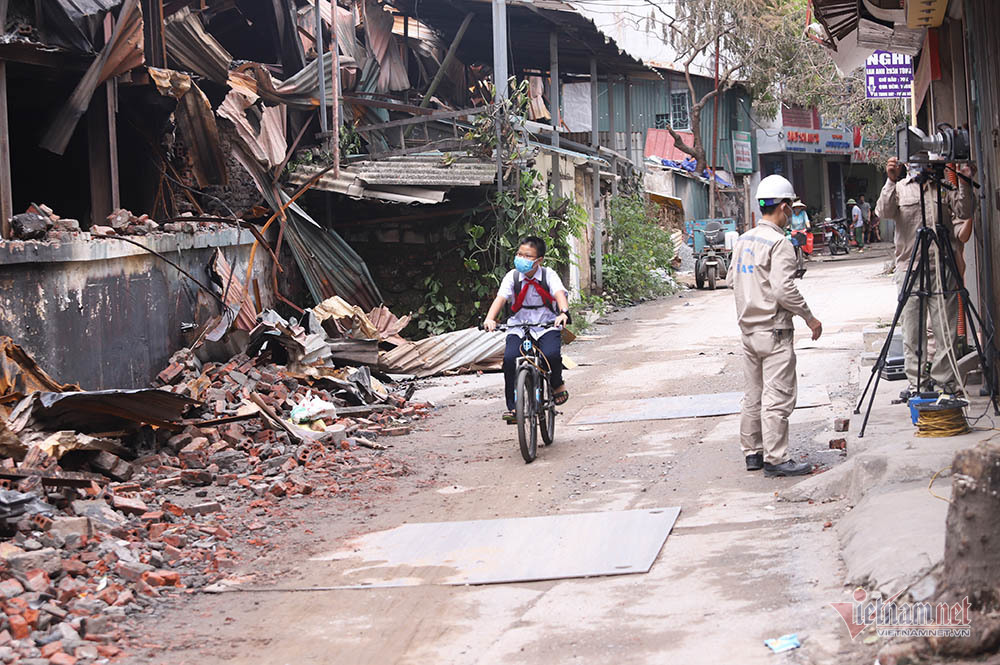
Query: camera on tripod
[[947, 145]]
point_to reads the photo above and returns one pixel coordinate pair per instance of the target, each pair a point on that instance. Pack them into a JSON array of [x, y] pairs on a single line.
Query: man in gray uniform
[[900, 200], [762, 278]]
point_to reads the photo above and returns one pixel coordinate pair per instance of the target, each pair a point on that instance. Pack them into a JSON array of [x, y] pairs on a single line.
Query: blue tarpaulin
[[689, 165]]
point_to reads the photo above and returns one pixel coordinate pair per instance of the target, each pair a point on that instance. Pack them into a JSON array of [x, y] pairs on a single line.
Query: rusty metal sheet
[[683, 406], [197, 126], [21, 375], [123, 51], [75, 22], [193, 49], [519, 549], [233, 291], [99, 410]]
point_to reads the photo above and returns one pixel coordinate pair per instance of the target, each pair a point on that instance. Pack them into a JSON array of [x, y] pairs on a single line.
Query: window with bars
[[680, 119]]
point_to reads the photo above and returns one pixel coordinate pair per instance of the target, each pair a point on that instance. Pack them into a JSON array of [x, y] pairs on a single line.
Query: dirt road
[[739, 566]]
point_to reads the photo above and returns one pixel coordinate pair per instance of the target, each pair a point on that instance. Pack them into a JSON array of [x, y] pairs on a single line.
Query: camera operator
[[900, 200]]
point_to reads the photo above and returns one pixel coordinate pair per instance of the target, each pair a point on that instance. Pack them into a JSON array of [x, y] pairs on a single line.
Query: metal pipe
[[335, 84], [715, 134], [323, 126], [554, 99], [499, 78], [448, 57], [595, 140]]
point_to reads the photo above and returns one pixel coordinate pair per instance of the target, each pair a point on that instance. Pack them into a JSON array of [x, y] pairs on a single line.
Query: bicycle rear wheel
[[547, 413], [526, 412]]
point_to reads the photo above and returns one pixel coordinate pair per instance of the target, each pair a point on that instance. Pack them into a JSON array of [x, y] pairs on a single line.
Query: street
[[738, 568]]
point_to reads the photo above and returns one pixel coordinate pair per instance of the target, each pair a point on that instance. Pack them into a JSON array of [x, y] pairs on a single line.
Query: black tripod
[[919, 276]]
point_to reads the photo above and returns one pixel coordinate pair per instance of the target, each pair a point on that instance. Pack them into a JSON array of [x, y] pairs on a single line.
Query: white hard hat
[[774, 189]]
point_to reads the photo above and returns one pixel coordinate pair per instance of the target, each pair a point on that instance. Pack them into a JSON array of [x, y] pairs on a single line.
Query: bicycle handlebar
[[503, 327]]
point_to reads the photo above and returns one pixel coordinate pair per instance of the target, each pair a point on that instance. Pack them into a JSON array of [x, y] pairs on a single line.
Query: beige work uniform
[[762, 278], [900, 201]]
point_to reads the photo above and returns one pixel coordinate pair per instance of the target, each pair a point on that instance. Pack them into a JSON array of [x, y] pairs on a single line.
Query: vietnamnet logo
[[899, 619]]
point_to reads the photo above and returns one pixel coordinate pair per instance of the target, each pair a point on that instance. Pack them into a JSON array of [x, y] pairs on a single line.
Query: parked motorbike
[[835, 233]]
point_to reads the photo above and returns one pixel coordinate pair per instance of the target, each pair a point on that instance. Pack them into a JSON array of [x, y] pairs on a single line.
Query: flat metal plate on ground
[[684, 406], [520, 549]]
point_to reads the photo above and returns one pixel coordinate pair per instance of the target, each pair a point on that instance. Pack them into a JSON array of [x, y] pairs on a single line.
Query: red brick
[[156, 530], [278, 489], [51, 648], [170, 577], [37, 580], [171, 373], [153, 578], [19, 628], [175, 539], [108, 650], [172, 553], [168, 482], [15, 606], [196, 477], [31, 616], [62, 658], [74, 567], [130, 505], [152, 516], [5, 637], [124, 598]]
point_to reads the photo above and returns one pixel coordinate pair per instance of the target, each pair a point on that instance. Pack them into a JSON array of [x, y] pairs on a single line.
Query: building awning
[[667, 200], [853, 30]]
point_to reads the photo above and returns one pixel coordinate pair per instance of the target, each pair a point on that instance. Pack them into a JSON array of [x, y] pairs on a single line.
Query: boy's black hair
[[535, 242], [767, 210]]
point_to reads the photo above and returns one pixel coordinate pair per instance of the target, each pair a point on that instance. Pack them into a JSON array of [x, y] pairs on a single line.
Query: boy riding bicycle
[[537, 296]]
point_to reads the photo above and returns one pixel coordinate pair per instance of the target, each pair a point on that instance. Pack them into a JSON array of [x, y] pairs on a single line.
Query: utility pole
[[715, 135]]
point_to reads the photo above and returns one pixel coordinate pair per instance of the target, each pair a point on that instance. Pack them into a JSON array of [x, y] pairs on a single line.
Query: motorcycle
[[836, 235], [802, 241]]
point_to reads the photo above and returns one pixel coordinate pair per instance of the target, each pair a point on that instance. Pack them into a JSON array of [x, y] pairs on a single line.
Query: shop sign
[[888, 75], [742, 153]]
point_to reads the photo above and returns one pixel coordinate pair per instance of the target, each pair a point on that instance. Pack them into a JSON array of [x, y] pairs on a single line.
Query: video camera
[[946, 145]]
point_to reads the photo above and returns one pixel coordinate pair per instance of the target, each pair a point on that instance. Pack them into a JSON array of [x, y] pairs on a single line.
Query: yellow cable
[[941, 423], [930, 486]]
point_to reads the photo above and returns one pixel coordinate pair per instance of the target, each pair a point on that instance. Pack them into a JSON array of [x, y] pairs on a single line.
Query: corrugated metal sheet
[[191, 48], [76, 22], [426, 170], [350, 185], [652, 97], [463, 349]]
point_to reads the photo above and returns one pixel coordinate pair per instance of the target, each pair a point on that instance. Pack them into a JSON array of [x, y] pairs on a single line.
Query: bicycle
[[534, 402]]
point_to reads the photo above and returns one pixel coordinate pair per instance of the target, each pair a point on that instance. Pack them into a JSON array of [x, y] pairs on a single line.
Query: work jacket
[[762, 276]]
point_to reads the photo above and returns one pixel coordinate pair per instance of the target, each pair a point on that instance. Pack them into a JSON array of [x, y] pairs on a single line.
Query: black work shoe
[[787, 468], [755, 462]]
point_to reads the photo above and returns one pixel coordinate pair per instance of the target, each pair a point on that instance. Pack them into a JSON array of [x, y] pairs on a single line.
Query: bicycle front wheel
[[547, 413], [526, 411]]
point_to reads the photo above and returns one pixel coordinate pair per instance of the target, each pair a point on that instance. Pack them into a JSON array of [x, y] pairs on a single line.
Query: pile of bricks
[[40, 222], [189, 507]]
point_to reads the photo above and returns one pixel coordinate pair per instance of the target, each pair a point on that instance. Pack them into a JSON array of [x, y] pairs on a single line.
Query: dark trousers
[[551, 347]]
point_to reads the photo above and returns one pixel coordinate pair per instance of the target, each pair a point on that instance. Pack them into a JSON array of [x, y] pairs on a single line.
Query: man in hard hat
[[900, 201], [762, 278]]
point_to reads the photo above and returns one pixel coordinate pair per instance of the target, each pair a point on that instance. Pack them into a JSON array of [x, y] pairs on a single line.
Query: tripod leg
[[905, 291], [904, 294]]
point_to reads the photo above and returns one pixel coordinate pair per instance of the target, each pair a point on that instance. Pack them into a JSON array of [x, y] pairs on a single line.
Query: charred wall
[[105, 314]]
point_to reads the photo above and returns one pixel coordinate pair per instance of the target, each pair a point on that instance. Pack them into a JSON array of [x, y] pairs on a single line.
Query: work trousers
[[550, 344], [771, 389], [913, 335], [859, 236]]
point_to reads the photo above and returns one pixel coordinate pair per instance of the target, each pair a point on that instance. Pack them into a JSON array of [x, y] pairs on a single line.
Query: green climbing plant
[[637, 261]]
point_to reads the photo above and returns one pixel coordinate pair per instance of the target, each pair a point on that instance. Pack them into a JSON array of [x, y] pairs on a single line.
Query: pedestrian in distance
[[761, 276], [536, 296], [858, 223]]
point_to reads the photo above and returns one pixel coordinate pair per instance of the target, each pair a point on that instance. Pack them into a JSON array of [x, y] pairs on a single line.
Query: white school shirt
[[531, 298]]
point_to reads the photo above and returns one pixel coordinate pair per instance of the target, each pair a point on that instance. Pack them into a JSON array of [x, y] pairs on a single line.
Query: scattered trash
[[838, 444], [312, 408], [783, 643]]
